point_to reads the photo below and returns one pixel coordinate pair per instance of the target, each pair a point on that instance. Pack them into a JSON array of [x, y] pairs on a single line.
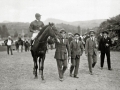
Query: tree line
[[112, 25], [4, 31]]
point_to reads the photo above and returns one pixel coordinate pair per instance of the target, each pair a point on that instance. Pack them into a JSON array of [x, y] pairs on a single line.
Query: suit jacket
[[62, 49], [102, 45], [91, 47], [76, 49], [99, 38], [7, 41]]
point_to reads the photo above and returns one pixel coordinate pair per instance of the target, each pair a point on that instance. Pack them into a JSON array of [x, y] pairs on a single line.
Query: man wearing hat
[[91, 50], [104, 48], [36, 26], [62, 48], [9, 43], [70, 37], [76, 47]]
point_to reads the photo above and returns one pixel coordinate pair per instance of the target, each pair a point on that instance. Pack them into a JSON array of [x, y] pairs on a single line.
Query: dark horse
[[40, 46]]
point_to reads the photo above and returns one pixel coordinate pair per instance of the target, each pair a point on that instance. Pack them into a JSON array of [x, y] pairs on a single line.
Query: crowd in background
[[20, 45]]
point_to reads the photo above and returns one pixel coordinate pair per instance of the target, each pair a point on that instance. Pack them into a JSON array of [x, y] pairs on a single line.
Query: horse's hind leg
[[32, 53], [42, 67]]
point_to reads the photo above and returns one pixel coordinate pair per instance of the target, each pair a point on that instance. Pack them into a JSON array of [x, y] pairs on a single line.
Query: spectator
[[20, 42], [27, 45], [9, 43]]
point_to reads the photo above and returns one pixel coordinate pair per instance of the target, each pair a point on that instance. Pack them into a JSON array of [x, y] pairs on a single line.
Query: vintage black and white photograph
[[59, 44]]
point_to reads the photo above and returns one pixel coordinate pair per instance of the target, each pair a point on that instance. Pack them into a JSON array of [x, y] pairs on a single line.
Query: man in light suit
[[62, 48], [9, 43], [76, 47], [91, 50]]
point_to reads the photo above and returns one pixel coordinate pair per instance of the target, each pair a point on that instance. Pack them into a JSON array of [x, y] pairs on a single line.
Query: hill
[[69, 26], [82, 24]]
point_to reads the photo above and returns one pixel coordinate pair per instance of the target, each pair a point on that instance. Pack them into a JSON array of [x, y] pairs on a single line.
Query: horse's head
[[53, 31]]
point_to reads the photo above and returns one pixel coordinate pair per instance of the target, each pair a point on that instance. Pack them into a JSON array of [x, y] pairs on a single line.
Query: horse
[[39, 47]]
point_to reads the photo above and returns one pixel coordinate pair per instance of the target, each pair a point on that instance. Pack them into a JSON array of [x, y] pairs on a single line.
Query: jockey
[[36, 26]]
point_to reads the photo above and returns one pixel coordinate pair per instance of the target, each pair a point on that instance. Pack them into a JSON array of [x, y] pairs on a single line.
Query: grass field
[[16, 73]]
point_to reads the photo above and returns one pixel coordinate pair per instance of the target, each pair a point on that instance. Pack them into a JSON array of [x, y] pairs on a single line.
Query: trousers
[[62, 66]]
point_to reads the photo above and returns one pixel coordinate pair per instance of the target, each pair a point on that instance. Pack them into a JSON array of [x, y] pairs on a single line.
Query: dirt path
[[16, 74]]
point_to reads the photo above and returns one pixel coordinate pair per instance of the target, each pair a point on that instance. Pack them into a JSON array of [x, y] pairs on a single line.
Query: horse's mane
[[42, 30]]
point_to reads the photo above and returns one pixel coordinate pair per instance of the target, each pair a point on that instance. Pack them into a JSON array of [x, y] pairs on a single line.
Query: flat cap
[[69, 33], [37, 15], [77, 34], [9, 36], [62, 30], [91, 31], [105, 32]]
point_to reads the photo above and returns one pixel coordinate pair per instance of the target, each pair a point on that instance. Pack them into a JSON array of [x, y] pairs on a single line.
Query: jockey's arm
[[31, 28]]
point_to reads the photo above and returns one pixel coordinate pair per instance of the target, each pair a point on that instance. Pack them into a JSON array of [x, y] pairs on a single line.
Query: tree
[[16, 34], [0, 32], [5, 32]]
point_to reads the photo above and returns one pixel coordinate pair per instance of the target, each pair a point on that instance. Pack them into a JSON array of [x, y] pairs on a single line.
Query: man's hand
[[107, 45], [86, 54], [58, 40], [96, 45]]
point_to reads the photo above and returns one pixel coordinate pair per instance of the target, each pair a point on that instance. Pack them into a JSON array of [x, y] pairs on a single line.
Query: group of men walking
[[72, 50], [75, 50]]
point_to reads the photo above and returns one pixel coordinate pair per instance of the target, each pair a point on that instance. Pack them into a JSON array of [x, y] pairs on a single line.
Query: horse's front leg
[[36, 67], [39, 65], [42, 67]]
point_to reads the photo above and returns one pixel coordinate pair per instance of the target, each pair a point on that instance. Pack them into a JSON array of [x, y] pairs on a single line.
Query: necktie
[[93, 39]]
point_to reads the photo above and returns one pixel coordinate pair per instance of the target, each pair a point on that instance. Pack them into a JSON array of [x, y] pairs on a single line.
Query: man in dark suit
[[76, 47], [61, 54], [91, 50], [104, 48]]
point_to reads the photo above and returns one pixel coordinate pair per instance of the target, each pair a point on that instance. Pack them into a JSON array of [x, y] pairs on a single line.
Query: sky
[[67, 10]]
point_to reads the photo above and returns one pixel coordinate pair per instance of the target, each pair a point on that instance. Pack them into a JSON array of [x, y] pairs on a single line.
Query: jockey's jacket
[[35, 27]]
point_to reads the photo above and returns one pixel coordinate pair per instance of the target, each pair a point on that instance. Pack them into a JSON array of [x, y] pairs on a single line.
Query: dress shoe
[[76, 76], [91, 73], [110, 69], [70, 75]]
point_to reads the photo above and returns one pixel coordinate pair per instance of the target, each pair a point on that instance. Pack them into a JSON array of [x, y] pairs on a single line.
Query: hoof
[[36, 77], [42, 78], [61, 79]]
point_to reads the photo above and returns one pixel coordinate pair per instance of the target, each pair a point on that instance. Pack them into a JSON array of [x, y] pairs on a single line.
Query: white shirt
[[9, 42], [92, 38], [63, 40], [76, 41]]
